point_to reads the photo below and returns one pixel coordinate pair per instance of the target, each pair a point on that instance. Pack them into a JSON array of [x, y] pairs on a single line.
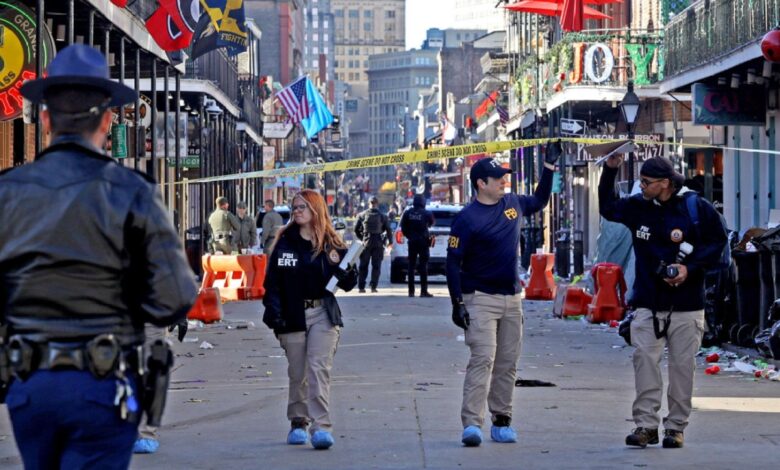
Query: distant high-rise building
[[479, 14], [319, 41], [364, 28], [396, 80], [436, 38]]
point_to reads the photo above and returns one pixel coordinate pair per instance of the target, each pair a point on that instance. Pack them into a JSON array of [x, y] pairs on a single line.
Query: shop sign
[[119, 140], [719, 106], [269, 155], [190, 161], [276, 130], [17, 54]]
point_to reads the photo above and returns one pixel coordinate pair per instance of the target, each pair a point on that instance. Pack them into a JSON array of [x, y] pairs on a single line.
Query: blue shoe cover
[[321, 440], [503, 434], [145, 445], [297, 437], [472, 436]]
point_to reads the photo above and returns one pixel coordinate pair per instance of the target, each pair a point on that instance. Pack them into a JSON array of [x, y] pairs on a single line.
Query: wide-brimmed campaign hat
[[79, 64]]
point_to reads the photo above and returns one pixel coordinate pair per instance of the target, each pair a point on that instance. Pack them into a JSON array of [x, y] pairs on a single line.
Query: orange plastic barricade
[[541, 286], [609, 302], [238, 277], [208, 306], [575, 302]]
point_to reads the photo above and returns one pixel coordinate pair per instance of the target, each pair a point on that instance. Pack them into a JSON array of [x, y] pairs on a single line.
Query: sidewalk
[[396, 394]]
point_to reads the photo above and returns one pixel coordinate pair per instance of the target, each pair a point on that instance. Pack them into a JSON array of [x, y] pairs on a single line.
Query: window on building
[[325, 24], [368, 14], [315, 12], [325, 37], [315, 50], [367, 26], [325, 50], [390, 14], [315, 37], [354, 13], [339, 13]]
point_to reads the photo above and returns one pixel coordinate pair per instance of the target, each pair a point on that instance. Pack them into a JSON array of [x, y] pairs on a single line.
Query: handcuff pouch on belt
[[101, 356]]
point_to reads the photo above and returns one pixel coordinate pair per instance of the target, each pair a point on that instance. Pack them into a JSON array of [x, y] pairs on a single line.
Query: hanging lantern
[[770, 45]]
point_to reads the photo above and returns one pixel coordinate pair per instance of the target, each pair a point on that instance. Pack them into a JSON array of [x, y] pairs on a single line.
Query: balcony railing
[[710, 29], [218, 68], [608, 58]]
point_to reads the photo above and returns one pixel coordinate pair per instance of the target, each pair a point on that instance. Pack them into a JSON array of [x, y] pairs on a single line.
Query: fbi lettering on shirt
[[454, 241], [511, 213], [287, 260], [643, 233]]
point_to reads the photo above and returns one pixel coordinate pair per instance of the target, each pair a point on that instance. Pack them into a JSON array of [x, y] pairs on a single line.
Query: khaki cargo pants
[[683, 339], [494, 337], [309, 360]]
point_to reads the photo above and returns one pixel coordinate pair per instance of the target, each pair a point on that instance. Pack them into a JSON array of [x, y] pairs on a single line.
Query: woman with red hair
[[304, 314]]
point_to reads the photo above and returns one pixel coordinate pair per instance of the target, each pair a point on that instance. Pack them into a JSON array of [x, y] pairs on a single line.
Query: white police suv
[[443, 214]]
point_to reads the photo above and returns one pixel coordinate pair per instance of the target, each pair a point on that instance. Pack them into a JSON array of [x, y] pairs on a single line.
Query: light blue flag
[[319, 115]]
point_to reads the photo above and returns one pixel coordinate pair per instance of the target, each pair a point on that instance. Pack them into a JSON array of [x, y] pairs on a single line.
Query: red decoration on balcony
[[770, 45]]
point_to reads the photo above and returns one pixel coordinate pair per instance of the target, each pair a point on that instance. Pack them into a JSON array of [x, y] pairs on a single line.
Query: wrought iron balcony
[[710, 29], [218, 68]]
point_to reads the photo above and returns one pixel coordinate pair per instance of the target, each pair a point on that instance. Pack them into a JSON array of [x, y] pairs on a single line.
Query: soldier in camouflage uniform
[[224, 227]]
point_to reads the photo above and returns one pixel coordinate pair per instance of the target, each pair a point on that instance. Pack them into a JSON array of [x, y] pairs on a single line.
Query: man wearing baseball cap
[[79, 285], [674, 249], [482, 259]]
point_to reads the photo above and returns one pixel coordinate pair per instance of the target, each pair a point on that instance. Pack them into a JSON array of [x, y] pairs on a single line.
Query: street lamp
[[630, 109]]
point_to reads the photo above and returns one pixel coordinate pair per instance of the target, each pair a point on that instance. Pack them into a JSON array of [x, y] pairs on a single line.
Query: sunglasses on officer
[[648, 182]]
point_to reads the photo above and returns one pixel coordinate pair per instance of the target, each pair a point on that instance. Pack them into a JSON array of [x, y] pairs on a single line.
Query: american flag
[[294, 100], [503, 115]]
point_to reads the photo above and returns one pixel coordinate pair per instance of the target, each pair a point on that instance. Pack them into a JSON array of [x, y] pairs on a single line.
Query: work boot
[[472, 436], [321, 440], [297, 435], [426, 294], [373, 290], [673, 439], [411, 294], [362, 290], [501, 431], [641, 437]]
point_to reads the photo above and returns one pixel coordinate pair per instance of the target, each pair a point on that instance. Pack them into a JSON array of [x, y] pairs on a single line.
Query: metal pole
[[38, 73], [166, 113], [155, 173], [139, 145], [122, 77], [630, 160], [177, 130], [71, 14], [91, 28]]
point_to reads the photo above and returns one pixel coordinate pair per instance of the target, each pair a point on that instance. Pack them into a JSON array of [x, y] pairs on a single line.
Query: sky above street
[[424, 14]]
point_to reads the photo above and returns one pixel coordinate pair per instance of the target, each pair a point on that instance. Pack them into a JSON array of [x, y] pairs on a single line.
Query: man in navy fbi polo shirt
[[482, 258]]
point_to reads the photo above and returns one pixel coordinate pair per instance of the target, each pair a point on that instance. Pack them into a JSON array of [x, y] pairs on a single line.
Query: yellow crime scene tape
[[400, 158], [457, 151]]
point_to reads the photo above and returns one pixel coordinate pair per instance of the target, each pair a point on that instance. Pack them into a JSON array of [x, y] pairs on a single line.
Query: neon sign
[[17, 54]]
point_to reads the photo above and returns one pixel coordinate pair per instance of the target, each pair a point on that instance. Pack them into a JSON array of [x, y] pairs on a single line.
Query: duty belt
[[101, 356], [311, 303]]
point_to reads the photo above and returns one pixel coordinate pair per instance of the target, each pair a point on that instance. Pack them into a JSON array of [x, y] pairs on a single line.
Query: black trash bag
[[768, 342]]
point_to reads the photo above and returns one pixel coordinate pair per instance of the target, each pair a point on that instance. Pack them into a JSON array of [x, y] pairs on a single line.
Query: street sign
[[119, 141], [276, 130], [572, 126]]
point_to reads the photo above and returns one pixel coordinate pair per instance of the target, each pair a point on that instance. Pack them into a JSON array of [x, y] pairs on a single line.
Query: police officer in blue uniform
[[415, 223], [482, 261], [77, 286], [673, 254]]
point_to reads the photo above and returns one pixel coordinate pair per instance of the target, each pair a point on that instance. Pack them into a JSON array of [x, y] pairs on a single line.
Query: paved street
[[396, 399]]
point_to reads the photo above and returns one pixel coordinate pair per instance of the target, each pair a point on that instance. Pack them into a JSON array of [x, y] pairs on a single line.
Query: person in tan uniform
[[272, 222], [247, 233], [224, 226]]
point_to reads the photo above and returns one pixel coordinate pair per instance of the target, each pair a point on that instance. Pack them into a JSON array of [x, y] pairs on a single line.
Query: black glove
[[183, 326], [553, 152], [460, 316], [348, 278], [274, 321]]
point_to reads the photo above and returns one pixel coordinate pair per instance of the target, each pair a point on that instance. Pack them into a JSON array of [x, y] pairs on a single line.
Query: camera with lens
[[666, 271]]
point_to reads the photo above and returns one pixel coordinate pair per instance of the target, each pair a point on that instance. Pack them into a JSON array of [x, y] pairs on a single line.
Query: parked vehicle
[[443, 214]]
